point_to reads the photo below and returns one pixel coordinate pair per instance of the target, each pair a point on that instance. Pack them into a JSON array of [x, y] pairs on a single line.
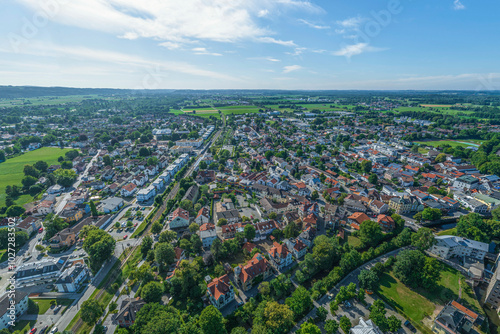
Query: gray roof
[[5, 300], [70, 274], [40, 268], [453, 241]]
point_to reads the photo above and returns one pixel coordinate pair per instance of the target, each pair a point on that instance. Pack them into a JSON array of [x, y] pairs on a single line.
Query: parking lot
[[128, 221]]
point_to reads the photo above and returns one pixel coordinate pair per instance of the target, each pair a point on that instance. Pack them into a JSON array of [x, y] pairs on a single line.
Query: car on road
[[44, 329], [54, 330], [330, 296], [135, 225], [33, 330], [409, 325]]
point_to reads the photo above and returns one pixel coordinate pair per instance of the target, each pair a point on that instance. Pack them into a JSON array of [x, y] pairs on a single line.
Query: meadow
[[51, 100], [453, 143], [11, 171]]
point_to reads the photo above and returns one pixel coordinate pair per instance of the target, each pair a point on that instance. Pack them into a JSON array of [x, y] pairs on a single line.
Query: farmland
[[11, 171]]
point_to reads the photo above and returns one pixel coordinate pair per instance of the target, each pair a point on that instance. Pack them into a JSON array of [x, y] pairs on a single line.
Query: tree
[[377, 315], [249, 231], [314, 195], [308, 328], [222, 222], [147, 243], [144, 152], [331, 326], [107, 160], [14, 211], [156, 227], [93, 209], [211, 321], [164, 254], [100, 246], [496, 213], [193, 228], [65, 177], [373, 179], [441, 157], [300, 301], [366, 166], [29, 170], [276, 317], [321, 314], [414, 269], [370, 233], [152, 292], [345, 324], [273, 215], [167, 236], [431, 214], [393, 323], [423, 239], [28, 181], [368, 280], [472, 226], [91, 310]]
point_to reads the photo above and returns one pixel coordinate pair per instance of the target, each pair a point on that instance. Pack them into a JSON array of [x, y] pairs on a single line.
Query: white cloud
[[296, 52], [173, 21], [356, 49], [276, 41], [458, 5], [204, 51], [312, 25], [350, 23], [171, 45], [262, 13], [291, 68], [79, 54]]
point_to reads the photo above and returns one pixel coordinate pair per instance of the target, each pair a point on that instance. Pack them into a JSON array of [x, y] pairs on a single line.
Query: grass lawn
[[44, 303], [417, 304], [451, 231], [23, 326], [3, 255], [353, 241], [11, 171], [452, 143], [410, 302]]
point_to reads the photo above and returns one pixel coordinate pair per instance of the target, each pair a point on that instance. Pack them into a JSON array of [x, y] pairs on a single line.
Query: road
[[67, 196]]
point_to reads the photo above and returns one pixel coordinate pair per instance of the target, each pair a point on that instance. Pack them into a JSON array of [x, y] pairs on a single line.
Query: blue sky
[[272, 44]]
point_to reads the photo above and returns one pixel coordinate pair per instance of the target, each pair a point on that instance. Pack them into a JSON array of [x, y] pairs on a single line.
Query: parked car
[[125, 236], [44, 329], [54, 330], [33, 330]]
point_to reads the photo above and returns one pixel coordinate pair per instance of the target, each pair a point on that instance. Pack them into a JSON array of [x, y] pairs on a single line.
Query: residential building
[[297, 247], [448, 246], [13, 306], [72, 278], [128, 311], [365, 327], [257, 268], [42, 272], [180, 218], [455, 318], [111, 204], [220, 292], [280, 256]]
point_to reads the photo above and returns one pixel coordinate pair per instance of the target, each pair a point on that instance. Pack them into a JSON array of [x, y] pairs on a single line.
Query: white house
[[146, 194], [71, 279], [447, 246]]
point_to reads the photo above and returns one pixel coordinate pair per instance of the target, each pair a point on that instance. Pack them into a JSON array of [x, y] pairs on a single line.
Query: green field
[[11, 171], [44, 303], [419, 303], [452, 143], [51, 100]]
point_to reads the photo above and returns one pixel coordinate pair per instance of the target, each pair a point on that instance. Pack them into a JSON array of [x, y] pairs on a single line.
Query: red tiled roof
[[219, 286]]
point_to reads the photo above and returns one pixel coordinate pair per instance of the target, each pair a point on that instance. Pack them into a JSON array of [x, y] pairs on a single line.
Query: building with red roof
[[220, 291], [258, 268]]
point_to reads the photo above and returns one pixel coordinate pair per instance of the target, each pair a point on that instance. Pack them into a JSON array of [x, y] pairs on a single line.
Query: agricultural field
[[453, 143], [50, 100], [432, 108], [11, 171]]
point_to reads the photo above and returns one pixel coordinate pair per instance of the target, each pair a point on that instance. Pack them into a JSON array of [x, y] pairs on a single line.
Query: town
[[251, 212]]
